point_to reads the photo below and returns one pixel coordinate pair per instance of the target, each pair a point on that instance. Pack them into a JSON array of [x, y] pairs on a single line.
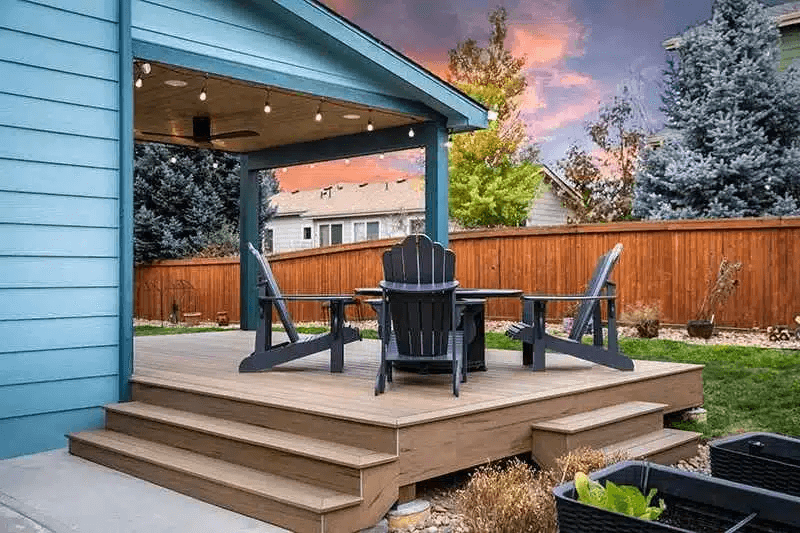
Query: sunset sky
[[579, 52]]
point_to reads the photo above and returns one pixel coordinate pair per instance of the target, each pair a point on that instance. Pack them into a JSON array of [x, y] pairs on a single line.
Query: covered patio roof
[[287, 82]]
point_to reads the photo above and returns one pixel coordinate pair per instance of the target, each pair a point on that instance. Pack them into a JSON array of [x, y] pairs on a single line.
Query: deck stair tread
[[588, 420], [331, 452], [652, 443], [270, 486]]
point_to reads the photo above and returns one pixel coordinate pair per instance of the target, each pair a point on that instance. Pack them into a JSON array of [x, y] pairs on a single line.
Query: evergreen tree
[[493, 177], [737, 152], [186, 202]]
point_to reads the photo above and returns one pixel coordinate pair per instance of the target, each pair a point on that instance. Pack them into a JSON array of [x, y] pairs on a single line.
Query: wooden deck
[[439, 432], [351, 453]]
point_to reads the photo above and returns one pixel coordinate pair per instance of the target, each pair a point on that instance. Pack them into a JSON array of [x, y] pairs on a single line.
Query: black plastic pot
[[765, 460], [694, 502], [700, 328]]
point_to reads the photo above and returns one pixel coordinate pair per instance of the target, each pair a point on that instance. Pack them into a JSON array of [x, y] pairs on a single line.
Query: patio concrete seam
[[47, 523]]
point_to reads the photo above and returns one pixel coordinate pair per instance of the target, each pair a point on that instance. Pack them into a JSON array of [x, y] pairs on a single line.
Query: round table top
[[461, 292]]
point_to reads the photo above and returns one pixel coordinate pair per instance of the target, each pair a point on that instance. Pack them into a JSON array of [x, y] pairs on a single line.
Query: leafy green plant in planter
[[625, 499]]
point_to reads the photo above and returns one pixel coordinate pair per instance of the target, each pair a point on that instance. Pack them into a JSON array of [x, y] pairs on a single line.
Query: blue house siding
[[261, 35], [59, 219]]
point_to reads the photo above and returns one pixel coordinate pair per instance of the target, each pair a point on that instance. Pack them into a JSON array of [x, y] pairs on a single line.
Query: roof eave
[[463, 112]]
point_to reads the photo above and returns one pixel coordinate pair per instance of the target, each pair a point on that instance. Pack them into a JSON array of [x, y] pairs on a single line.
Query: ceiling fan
[[201, 132]]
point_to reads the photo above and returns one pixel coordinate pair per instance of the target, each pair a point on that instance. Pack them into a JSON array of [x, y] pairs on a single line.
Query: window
[[268, 241], [373, 230], [307, 233], [336, 234], [325, 235], [364, 231], [330, 234]]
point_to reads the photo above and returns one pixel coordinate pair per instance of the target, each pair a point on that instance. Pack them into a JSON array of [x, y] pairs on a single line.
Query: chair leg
[[539, 309]]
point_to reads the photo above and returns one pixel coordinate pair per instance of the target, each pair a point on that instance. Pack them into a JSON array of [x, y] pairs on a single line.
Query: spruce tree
[[737, 118], [186, 201]]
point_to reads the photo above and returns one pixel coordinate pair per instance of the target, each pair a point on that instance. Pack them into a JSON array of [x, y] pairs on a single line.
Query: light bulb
[[346, 161], [203, 95], [410, 132], [382, 156], [215, 165], [285, 169], [138, 82], [318, 116], [173, 160], [267, 108], [370, 126], [146, 68]]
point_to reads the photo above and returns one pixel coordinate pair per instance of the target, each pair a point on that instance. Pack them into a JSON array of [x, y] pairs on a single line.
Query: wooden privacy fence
[[669, 263]]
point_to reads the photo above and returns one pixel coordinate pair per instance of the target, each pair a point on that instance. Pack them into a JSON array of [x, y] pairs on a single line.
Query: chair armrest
[[419, 287], [566, 297], [311, 298]]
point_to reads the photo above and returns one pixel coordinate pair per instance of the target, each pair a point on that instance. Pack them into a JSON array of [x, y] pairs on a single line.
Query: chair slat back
[[273, 290], [595, 287], [421, 322]]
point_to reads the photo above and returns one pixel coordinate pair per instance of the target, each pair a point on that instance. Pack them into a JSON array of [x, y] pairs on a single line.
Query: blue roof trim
[[463, 112]]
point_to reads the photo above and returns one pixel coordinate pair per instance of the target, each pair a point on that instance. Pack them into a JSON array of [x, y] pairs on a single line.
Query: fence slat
[[665, 262]]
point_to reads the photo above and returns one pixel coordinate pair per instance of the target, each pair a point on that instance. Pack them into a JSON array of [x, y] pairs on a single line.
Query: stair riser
[[278, 513], [308, 470], [616, 431], [672, 455], [377, 438], [381, 492], [546, 446]]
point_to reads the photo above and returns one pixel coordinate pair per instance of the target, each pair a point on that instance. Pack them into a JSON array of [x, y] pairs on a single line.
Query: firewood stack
[[784, 333]]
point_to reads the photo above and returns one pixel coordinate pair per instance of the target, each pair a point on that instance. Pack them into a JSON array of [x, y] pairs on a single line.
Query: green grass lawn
[[147, 331], [746, 388]]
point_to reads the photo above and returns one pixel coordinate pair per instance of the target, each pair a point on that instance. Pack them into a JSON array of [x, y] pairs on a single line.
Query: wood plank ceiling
[[169, 98]]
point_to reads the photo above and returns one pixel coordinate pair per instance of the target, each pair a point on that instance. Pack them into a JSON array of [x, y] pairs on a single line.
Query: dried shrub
[[645, 317], [514, 498], [720, 289]]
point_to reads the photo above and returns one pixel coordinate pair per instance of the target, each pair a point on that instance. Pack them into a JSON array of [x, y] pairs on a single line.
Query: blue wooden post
[[125, 201], [248, 232], [436, 183]]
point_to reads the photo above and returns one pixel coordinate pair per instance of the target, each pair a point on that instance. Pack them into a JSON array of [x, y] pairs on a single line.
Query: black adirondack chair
[[266, 355], [419, 316], [535, 339]]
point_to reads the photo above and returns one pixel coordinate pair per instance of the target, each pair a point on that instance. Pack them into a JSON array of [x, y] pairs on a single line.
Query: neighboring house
[[787, 17], [548, 208], [350, 212], [345, 213]]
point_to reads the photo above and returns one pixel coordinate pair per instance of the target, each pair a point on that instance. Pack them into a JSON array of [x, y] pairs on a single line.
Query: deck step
[[666, 447], [329, 464], [282, 501], [596, 429], [341, 454]]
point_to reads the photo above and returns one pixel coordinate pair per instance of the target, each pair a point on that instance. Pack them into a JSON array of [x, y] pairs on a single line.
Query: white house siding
[[547, 210], [288, 230]]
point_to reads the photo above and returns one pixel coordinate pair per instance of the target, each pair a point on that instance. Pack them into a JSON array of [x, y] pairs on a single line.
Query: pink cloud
[[357, 170]]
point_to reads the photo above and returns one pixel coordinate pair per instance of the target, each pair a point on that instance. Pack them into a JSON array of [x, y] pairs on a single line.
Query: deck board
[[210, 361]]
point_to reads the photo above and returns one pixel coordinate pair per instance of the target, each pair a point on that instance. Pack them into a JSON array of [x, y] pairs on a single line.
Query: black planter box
[[694, 503], [762, 459]]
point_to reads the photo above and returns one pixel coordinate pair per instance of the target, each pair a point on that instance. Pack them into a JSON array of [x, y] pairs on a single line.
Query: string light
[[370, 126], [267, 107], [410, 132], [138, 83], [382, 156], [146, 68], [203, 92], [318, 116]]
